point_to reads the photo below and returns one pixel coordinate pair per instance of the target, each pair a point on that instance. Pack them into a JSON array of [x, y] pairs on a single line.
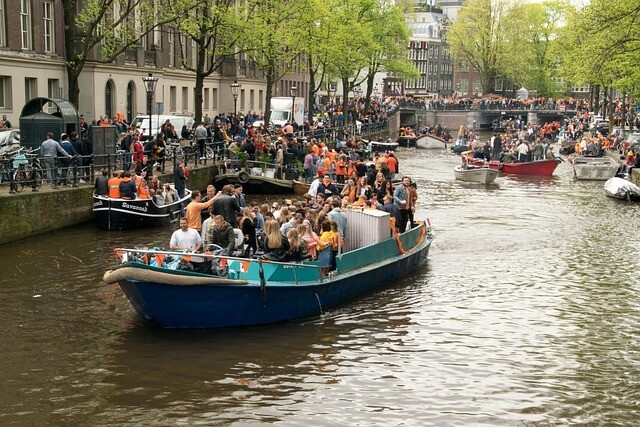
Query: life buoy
[[243, 177]]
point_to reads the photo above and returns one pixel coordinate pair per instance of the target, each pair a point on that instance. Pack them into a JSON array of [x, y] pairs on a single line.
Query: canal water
[[527, 312]]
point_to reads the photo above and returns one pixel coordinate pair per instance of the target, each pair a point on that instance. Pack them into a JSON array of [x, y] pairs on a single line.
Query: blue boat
[[254, 292]]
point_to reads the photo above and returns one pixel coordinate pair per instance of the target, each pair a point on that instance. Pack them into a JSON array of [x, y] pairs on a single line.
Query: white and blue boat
[[254, 291]]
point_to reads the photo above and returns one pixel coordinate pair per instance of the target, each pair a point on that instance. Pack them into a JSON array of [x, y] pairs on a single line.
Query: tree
[[275, 40], [602, 45], [479, 37], [215, 27], [113, 26]]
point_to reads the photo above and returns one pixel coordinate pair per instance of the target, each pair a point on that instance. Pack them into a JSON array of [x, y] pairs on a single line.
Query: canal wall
[[31, 213]]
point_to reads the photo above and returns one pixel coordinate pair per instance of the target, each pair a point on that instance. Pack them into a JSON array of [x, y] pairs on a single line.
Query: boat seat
[[239, 243]]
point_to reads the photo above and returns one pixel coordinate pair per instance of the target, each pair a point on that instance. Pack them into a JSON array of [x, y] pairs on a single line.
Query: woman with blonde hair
[[311, 239], [276, 247], [298, 247]]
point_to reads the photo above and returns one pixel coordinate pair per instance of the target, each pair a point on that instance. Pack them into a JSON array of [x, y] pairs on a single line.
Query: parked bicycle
[[27, 171]]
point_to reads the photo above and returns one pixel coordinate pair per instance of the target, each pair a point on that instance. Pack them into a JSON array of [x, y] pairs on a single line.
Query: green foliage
[[602, 45]]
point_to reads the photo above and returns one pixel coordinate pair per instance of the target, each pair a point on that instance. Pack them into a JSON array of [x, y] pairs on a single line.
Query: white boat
[[480, 175], [595, 168], [382, 146], [431, 142], [620, 188]]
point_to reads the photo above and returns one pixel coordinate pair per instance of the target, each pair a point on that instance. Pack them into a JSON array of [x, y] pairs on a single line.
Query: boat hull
[[595, 168], [301, 188], [431, 142], [253, 184], [535, 168], [225, 305], [383, 146], [407, 141], [119, 215], [477, 175]]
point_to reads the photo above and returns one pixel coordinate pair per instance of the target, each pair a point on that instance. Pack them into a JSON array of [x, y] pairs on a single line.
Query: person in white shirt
[[188, 239]]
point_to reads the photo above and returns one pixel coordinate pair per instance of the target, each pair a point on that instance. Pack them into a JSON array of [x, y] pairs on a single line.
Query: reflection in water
[[525, 312]]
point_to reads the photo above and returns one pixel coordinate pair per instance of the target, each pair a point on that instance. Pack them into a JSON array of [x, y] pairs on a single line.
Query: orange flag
[[245, 266], [159, 259], [119, 254], [187, 258], [223, 262]]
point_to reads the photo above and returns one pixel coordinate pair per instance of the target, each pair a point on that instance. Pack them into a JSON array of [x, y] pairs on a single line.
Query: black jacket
[[228, 207]]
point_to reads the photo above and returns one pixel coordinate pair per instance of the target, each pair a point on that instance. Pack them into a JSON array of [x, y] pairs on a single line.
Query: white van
[[142, 123]]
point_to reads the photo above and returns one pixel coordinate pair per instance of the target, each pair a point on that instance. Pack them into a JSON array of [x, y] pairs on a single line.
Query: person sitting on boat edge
[[102, 184], [128, 190], [220, 232], [188, 239]]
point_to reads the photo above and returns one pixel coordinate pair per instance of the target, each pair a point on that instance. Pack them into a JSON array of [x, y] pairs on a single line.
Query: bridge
[[477, 117]]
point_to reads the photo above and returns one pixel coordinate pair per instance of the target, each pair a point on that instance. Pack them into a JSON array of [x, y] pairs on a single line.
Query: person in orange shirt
[[392, 163], [194, 209], [143, 190], [114, 185]]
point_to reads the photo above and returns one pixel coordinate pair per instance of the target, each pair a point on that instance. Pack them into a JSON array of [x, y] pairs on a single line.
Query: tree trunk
[[345, 99], [74, 64], [198, 97], [269, 95]]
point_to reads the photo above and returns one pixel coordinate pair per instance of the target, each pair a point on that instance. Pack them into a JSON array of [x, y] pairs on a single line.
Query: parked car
[[602, 126]]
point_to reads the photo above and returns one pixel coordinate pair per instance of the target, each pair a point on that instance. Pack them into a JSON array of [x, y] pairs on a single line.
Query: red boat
[[537, 167]]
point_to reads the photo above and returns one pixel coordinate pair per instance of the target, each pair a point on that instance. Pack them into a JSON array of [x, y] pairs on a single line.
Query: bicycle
[[27, 171]]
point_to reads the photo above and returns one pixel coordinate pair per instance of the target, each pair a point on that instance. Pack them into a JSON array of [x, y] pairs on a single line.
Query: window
[[30, 88], [252, 96], [242, 100], [214, 99], [499, 85], [25, 23], [185, 99], [172, 98], [53, 88], [5, 92], [3, 25], [49, 40], [194, 55], [205, 101]]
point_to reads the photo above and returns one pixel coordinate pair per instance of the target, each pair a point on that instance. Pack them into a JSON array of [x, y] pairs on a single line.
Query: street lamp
[[294, 91], [235, 90], [150, 86]]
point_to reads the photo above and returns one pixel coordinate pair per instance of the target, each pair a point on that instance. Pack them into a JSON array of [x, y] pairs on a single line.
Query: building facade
[[429, 52], [32, 64]]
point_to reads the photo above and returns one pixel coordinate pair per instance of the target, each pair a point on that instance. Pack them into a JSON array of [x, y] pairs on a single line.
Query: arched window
[[109, 96], [131, 101]]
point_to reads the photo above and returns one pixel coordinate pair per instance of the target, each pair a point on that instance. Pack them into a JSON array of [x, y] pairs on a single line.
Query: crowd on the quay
[[312, 228]]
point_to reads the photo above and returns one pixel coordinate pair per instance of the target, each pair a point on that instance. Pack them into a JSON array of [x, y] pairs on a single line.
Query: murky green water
[[526, 313]]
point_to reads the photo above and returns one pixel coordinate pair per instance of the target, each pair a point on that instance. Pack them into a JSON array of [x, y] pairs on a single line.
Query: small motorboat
[[536, 167], [430, 141], [595, 168], [121, 214], [382, 146], [477, 174], [258, 177], [620, 188], [407, 141]]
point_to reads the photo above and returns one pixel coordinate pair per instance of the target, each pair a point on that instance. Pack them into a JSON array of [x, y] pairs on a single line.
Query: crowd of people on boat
[[311, 228]]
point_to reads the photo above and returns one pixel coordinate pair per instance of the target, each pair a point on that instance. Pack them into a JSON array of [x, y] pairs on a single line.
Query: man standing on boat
[[226, 205], [402, 196], [220, 232], [201, 137], [195, 208], [339, 218]]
